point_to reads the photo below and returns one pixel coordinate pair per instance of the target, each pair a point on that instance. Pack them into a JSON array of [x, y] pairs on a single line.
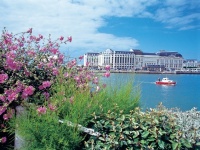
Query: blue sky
[[95, 25]]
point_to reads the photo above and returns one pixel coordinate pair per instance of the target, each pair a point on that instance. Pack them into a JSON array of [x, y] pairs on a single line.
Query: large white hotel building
[[135, 60]]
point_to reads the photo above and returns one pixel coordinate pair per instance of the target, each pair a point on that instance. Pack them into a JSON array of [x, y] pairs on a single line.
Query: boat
[[165, 81]]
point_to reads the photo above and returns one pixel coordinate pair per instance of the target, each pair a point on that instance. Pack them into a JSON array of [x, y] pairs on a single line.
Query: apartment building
[[135, 60]]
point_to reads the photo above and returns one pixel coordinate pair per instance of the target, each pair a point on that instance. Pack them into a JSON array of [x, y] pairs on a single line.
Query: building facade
[[191, 63], [135, 60]]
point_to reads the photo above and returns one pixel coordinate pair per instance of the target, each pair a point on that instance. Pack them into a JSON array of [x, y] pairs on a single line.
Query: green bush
[[72, 103], [188, 121], [44, 131], [136, 130], [77, 104]]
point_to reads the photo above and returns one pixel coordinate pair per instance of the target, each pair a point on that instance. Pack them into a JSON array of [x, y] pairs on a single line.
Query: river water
[[184, 95]]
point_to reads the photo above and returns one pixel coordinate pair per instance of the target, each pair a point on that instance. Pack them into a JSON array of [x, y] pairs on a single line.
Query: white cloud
[[83, 18], [79, 19], [180, 14]]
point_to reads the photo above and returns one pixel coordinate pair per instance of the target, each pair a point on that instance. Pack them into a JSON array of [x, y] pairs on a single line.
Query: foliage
[[69, 102], [188, 121], [124, 92], [44, 131], [137, 130], [28, 67], [81, 102]]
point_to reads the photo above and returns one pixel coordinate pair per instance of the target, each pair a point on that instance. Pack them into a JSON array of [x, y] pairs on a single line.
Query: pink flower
[[50, 64], [2, 109], [13, 65], [5, 117], [26, 72], [29, 90], [55, 71], [87, 64], [42, 110], [61, 38], [88, 77], [40, 65], [31, 53], [107, 74], [81, 57], [2, 98], [66, 74], [52, 107], [96, 80], [107, 67], [46, 84], [3, 139], [12, 96], [29, 31], [40, 36], [54, 51], [20, 87], [46, 95], [69, 39], [3, 78], [77, 78]]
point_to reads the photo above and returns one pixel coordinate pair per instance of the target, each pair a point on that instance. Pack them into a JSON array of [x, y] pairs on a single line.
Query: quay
[[149, 72]]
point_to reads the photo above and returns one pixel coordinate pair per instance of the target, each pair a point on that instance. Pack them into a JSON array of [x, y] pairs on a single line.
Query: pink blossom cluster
[[43, 109], [3, 139], [28, 91], [29, 67], [45, 84], [3, 78], [29, 64], [107, 73]]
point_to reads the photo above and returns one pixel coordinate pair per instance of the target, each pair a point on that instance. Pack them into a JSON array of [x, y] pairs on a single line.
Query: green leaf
[[198, 143], [123, 117], [101, 138], [145, 134], [136, 133], [130, 142], [161, 144], [126, 132], [142, 142], [151, 139], [174, 145], [186, 143]]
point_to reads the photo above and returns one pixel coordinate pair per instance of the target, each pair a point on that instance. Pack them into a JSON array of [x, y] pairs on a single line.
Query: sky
[[121, 25]]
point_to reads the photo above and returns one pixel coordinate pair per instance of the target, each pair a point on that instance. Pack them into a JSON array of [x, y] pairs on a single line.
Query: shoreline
[[148, 72]]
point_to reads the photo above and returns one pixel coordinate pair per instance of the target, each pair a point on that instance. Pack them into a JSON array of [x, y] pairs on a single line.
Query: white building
[[190, 63], [135, 60]]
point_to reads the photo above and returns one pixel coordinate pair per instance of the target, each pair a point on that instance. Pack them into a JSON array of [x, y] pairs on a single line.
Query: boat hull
[[165, 83]]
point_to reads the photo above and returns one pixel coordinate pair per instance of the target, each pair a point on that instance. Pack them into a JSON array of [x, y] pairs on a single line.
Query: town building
[[135, 60], [190, 63]]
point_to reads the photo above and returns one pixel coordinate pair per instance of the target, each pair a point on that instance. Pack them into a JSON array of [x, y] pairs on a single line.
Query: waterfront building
[[190, 63], [135, 60]]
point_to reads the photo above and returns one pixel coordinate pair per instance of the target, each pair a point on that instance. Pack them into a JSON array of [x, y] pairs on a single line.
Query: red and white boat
[[165, 81]]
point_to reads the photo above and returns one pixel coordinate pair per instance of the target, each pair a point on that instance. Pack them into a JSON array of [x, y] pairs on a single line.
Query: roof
[[165, 53], [149, 53], [124, 52], [92, 53]]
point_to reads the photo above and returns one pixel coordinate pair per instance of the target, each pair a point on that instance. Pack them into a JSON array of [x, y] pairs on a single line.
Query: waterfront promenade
[[149, 72]]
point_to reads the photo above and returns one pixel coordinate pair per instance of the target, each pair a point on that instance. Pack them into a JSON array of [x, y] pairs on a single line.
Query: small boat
[[165, 81]]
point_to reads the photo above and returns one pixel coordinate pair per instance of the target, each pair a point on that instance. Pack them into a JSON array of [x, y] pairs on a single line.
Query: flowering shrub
[[28, 67], [72, 102]]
